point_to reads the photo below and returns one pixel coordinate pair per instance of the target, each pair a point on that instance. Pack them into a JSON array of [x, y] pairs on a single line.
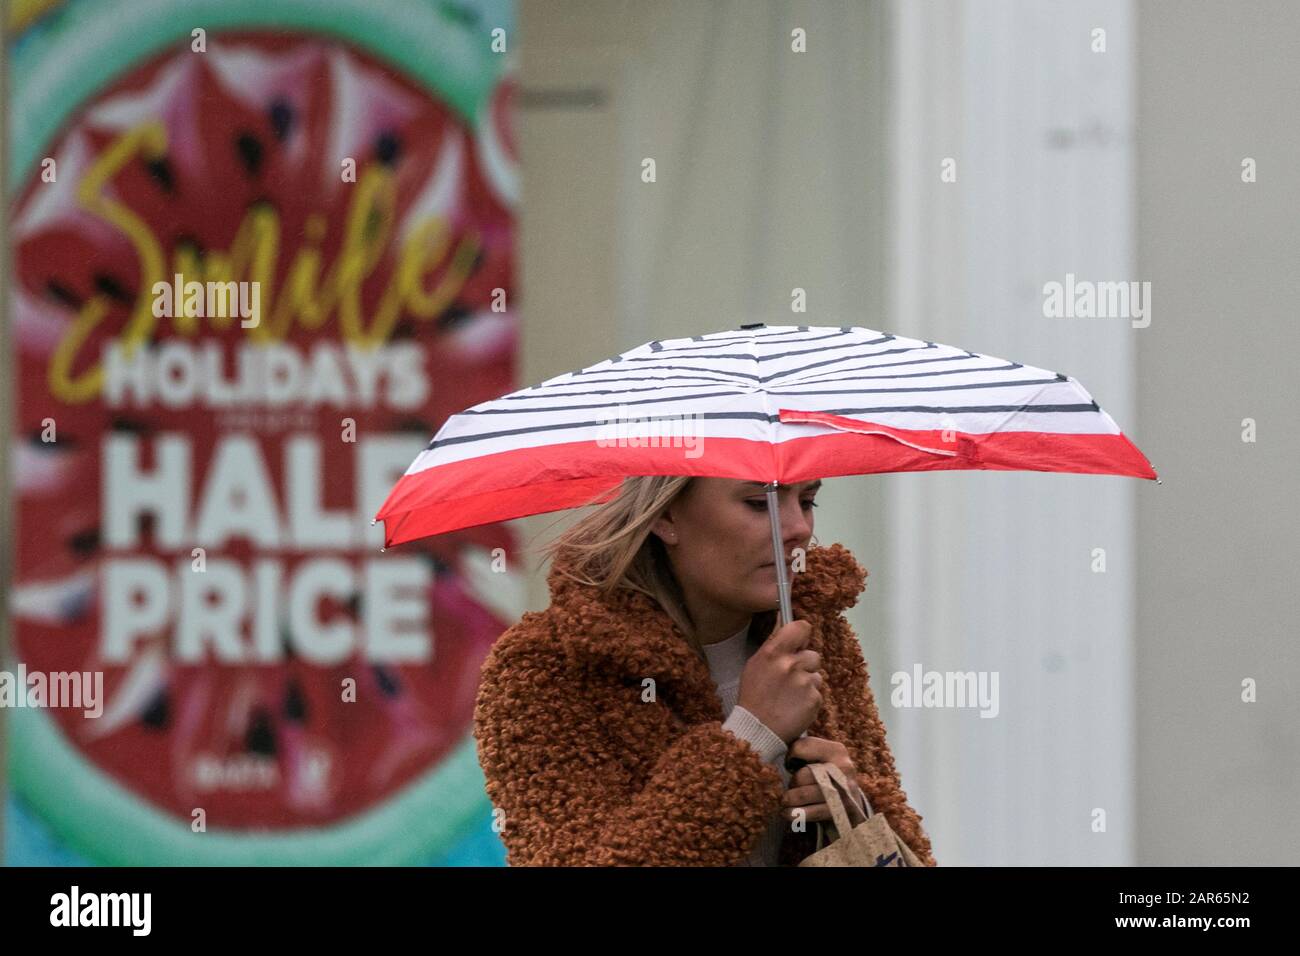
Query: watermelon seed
[[157, 714], [455, 317], [250, 152], [161, 171], [414, 425], [295, 705], [387, 147], [106, 284], [388, 682], [121, 423], [260, 738], [286, 644], [61, 293], [281, 118], [84, 543]]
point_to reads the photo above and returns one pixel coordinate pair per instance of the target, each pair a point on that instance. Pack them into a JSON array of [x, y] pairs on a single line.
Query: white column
[[992, 571]]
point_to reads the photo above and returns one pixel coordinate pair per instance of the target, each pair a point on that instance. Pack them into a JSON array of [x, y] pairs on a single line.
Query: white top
[[726, 661]]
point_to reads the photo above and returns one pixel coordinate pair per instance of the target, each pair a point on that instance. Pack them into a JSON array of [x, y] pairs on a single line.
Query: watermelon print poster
[[261, 250]]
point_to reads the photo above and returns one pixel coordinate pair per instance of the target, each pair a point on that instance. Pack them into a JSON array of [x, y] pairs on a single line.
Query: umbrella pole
[[778, 550]]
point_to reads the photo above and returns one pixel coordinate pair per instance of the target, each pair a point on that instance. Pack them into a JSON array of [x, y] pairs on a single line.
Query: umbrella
[[778, 404]]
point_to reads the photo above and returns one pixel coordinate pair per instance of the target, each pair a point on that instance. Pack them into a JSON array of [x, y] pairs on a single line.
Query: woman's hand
[[781, 683], [803, 791]]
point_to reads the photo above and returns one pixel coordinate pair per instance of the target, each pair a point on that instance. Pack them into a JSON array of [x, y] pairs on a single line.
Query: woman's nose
[[796, 525]]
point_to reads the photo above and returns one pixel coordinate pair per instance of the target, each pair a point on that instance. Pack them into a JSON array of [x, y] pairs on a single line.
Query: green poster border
[[51, 74], [54, 71], [109, 824]]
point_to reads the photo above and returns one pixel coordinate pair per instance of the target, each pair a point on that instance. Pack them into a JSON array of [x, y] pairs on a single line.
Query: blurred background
[[924, 168]]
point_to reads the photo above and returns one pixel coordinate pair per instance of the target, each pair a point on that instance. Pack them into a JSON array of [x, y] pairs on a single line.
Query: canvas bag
[[872, 842]]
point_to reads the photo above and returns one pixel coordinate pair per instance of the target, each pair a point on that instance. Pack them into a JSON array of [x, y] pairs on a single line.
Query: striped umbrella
[[776, 404]]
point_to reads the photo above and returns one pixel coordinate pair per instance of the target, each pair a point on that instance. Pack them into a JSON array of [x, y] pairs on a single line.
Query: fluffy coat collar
[[626, 633]]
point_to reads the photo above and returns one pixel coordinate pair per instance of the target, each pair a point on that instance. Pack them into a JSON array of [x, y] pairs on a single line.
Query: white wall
[[992, 571], [1220, 544]]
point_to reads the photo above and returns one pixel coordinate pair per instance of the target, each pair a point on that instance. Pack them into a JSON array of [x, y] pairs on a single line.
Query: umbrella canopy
[[778, 404]]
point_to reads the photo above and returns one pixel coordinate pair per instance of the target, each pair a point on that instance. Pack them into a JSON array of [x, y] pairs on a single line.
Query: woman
[[646, 716]]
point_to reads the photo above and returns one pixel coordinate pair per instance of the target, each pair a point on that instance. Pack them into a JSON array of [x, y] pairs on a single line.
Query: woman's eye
[[761, 504]]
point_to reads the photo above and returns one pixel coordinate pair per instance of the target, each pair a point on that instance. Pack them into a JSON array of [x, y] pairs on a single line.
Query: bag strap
[[831, 779]]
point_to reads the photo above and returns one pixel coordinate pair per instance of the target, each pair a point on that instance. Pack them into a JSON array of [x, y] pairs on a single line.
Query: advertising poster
[[261, 250]]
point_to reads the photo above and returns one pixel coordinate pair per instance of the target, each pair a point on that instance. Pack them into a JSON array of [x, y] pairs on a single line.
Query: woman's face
[[719, 539]]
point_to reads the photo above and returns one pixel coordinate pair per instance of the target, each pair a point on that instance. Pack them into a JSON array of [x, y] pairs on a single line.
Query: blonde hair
[[614, 547]]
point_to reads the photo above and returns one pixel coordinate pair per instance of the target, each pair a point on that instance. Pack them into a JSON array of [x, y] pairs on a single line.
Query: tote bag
[[872, 842]]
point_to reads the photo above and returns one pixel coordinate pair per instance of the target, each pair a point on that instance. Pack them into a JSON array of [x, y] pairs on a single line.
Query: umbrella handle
[[778, 550]]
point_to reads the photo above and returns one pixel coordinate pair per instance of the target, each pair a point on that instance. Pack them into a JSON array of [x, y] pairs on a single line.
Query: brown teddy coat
[[587, 772]]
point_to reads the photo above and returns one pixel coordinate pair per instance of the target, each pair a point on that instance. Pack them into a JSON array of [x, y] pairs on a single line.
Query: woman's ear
[[665, 529]]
